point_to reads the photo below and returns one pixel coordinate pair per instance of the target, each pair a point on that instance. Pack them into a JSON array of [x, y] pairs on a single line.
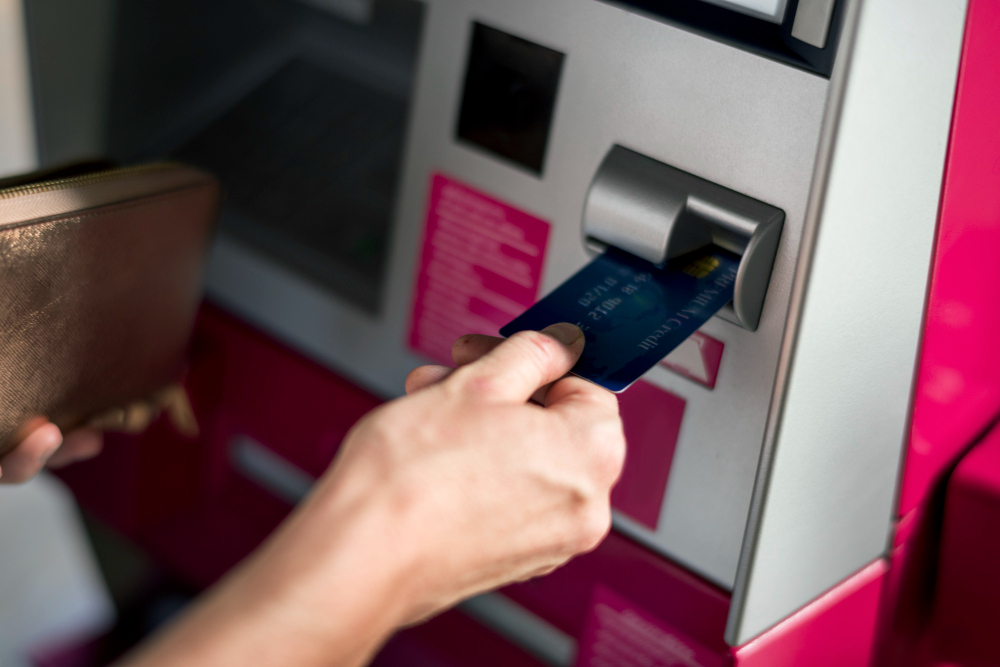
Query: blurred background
[[300, 109]]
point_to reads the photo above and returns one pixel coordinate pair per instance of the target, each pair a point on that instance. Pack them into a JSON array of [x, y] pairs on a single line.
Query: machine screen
[[509, 96], [771, 10]]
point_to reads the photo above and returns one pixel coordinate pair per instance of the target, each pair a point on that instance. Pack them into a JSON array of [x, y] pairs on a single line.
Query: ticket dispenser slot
[[658, 212]]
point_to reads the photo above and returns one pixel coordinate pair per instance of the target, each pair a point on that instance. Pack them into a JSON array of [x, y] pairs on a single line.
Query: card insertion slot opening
[[658, 213]]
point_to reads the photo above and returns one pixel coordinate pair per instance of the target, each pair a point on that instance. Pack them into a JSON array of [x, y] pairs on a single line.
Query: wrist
[[336, 576], [328, 588]]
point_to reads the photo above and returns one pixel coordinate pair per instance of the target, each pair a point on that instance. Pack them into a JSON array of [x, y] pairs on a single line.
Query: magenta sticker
[[480, 266], [620, 634], [652, 418], [697, 358]]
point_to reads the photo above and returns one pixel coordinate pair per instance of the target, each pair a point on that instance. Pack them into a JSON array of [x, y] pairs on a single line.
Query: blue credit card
[[634, 313]]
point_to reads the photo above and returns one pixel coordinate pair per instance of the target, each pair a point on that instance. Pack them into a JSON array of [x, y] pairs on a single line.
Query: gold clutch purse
[[100, 281]]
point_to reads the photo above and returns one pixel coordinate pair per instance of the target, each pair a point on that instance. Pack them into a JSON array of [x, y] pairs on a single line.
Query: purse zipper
[[60, 183]]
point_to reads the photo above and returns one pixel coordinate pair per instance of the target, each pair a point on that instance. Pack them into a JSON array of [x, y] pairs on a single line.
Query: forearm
[[462, 486], [264, 613]]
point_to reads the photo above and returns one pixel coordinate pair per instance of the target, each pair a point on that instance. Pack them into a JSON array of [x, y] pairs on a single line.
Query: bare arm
[[460, 487]]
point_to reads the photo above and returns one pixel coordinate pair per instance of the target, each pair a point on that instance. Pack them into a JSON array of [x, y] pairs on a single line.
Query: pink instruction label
[[480, 267], [697, 358], [652, 418], [619, 634]]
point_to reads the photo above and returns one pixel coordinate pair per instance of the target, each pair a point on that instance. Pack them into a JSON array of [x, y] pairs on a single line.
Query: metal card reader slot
[[658, 212]]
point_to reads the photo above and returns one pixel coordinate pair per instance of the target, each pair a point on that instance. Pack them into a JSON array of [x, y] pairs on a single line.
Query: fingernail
[[564, 332]]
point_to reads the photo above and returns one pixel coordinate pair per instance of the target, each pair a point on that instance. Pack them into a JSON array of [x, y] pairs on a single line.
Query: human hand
[[506, 465], [460, 487], [481, 486], [45, 446]]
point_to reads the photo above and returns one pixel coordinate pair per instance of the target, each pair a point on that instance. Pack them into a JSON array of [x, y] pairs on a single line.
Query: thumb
[[517, 367]]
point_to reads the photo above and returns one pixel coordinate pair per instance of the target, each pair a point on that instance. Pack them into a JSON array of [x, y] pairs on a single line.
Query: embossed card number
[[634, 313]]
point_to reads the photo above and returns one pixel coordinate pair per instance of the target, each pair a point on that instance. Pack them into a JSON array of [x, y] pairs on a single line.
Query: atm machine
[[400, 173]]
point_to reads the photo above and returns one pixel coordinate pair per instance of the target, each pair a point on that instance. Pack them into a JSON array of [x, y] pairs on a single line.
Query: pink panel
[[674, 595], [480, 267], [698, 359], [958, 386], [621, 634], [966, 617], [908, 595], [652, 419], [835, 630]]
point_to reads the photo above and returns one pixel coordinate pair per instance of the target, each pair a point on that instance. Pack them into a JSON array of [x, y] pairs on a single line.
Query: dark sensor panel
[[509, 96], [773, 40]]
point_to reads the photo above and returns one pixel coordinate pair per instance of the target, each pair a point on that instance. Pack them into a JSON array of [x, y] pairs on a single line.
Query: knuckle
[[610, 452], [595, 523], [608, 466], [380, 429], [604, 449], [469, 380]]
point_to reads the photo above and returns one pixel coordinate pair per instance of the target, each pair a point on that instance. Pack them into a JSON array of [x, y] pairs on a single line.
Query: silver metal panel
[[740, 120], [812, 21], [657, 212], [17, 132], [824, 499], [290, 307]]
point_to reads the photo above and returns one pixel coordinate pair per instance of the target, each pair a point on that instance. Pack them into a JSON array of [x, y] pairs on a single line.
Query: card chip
[[701, 267]]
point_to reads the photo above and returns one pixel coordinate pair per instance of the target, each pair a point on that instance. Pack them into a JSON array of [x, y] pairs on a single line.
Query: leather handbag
[[100, 281]]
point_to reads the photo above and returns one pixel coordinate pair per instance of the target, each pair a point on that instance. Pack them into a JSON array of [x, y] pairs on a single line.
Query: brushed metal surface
[[633, 204], [824, 498], [17, 131], [742, 121], [737, 119], [658, 213], [812, 21]]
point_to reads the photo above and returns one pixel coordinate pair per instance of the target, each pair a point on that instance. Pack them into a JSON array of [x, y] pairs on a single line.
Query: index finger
[[573, 392], [518, 366]]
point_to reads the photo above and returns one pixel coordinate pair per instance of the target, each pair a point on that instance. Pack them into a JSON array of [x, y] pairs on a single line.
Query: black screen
[[773, 40], [509, 95]]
